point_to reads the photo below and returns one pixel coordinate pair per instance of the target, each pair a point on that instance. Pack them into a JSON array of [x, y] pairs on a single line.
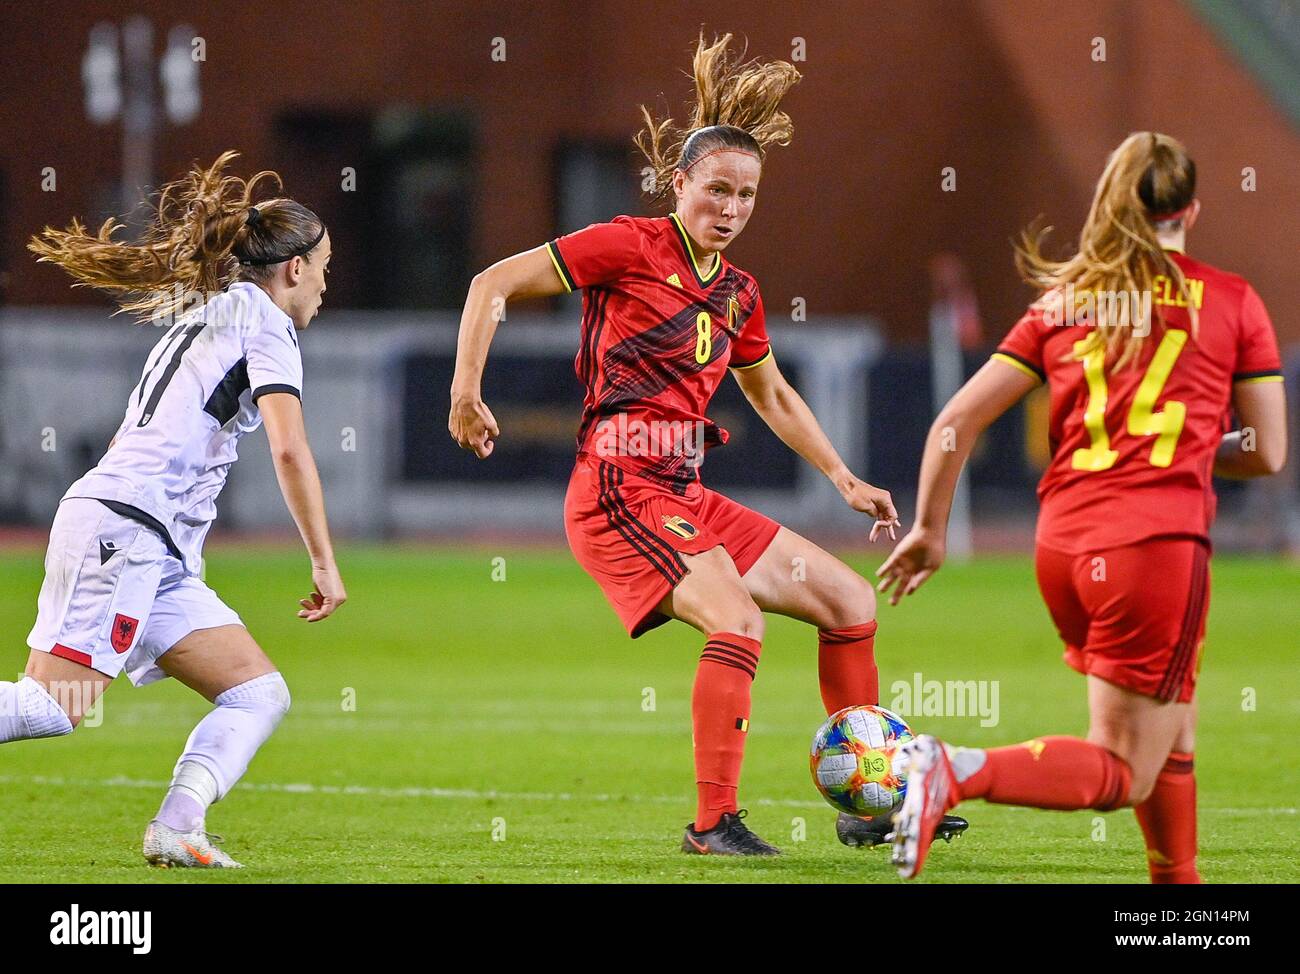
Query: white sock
[[28, 711], [227, 738], [193, 789], [965, 761]]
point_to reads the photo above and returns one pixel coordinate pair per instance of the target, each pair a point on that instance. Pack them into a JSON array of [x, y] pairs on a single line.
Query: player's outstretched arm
[[528, 275], [295, 468], [990, 392], [1259, 447], [788, 416]]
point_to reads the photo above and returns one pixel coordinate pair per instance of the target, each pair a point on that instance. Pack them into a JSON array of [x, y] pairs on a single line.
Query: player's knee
[[851, 602], [1140, 789], [750, 623], [46, 714], [743, 617], [277, 698], [1143, 775], [267, 695]]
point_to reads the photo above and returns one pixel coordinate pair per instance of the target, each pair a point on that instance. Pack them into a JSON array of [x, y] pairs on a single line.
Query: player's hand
[[916, 558], [862, 496], [472, 425], [327, 594]]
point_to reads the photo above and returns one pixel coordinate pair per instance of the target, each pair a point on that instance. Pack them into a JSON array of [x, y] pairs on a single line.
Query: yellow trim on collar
[[690, 251]]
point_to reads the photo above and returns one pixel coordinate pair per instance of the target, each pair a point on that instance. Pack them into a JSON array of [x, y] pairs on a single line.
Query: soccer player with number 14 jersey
[[1145, 351]]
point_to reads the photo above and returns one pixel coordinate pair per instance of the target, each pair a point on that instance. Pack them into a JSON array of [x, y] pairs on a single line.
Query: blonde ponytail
[[1149, 179]]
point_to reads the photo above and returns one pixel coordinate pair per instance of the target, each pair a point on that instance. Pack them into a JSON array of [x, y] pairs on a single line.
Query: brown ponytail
[[736, 107], [1150, 179], [201, 238]]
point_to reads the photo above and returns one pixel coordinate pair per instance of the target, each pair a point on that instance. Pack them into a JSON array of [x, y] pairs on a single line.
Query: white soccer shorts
[[114, 598]]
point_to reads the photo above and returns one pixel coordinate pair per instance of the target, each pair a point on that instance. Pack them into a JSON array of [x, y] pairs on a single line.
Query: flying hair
[[736, 106], [1147, 185], [205, 233]]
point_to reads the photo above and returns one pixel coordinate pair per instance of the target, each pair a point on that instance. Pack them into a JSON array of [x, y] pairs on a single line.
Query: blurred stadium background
[[436, 138]]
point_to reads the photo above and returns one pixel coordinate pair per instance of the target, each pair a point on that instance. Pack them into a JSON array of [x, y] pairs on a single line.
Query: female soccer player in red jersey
[[1140, 397], [123, 589], [664, 317]]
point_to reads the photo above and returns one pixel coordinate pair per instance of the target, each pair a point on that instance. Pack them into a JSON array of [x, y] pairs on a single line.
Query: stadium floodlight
[[101, 72], [179, 73]]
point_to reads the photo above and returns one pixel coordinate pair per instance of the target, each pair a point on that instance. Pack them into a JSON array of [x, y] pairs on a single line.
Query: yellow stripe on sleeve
[[550, 250], [741, 368], [1017, 364], [1254, 380]]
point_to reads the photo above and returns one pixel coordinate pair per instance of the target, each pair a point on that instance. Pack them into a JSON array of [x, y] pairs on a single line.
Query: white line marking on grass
[[304, 788]]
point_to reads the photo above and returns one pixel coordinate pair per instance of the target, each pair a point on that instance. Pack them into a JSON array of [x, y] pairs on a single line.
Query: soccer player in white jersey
[[233, 284]]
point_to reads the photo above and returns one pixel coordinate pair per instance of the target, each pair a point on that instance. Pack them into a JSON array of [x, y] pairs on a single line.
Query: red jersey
[[1133, 450], [657, 338]]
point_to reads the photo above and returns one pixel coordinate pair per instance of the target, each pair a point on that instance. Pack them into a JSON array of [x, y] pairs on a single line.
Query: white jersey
[[196, 397]]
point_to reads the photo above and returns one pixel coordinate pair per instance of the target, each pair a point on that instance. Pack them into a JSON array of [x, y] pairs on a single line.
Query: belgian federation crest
[[681, 527], [733, 313], [124, 628]]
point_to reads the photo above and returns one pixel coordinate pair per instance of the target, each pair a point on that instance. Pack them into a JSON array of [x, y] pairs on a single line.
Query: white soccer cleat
[[165, 847], [929, 788]]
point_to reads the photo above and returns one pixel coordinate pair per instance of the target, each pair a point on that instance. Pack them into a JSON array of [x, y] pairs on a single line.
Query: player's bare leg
[[797, 578], [1168, 813], [50, 700], [1129, 739], [1138, 729], [226, 666], [713, 598]]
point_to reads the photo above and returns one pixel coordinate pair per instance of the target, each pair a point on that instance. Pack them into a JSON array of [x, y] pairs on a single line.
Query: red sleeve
[[753, 345], [1257, 354], [599, 253], [1023, 346]]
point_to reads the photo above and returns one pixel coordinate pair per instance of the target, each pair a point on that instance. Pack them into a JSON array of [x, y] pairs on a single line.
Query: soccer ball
[[853, 760]]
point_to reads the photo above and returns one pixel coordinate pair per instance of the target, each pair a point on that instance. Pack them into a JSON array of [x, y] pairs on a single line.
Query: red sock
[[846, 666], [1064, 773], [720, 717], [1168, 820]]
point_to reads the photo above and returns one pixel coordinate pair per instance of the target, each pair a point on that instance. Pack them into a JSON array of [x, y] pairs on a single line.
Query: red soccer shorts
[[1133, 616], [629, 533]]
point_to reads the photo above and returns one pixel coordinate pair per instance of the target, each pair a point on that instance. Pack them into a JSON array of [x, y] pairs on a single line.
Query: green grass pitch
[[508, 731]]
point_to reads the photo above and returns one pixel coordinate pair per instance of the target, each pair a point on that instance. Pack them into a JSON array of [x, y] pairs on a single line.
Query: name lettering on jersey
[[674, 280], [1166, 292]]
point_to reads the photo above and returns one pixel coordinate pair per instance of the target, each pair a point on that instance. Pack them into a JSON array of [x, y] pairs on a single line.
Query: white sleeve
[[274, 361]]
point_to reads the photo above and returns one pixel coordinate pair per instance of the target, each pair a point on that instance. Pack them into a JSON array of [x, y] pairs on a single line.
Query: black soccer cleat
[[869, 832], [729, 837]]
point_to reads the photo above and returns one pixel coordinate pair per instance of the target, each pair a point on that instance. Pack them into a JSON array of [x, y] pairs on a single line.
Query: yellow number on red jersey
[[703, 337], [1166, 425]]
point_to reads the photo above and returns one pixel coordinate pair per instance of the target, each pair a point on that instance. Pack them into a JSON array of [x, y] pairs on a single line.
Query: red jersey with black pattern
[[1133, 450], [657, 338]]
